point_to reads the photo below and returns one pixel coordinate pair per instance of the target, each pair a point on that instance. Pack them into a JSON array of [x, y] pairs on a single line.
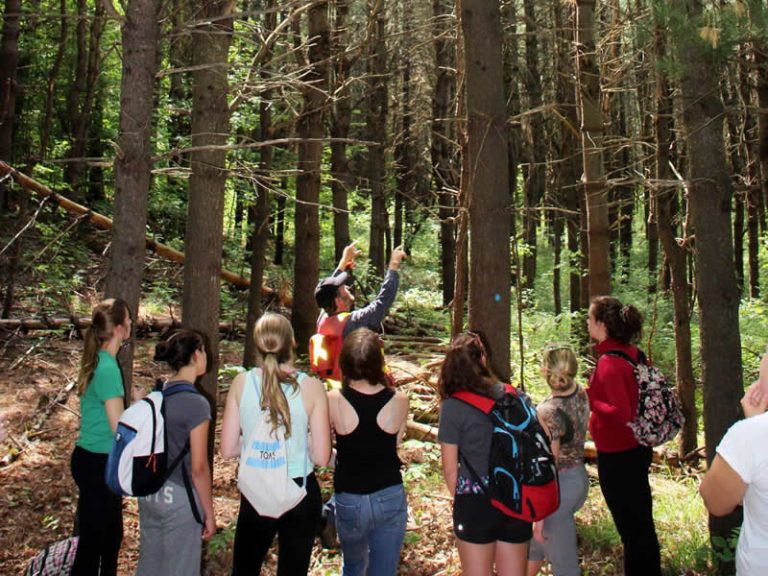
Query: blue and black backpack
[[522, 470]]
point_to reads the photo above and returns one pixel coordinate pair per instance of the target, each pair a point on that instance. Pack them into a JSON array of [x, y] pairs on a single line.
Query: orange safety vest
[[325, 346]]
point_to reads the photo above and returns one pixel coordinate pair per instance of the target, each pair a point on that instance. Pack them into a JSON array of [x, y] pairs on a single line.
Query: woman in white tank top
[[297, 405]]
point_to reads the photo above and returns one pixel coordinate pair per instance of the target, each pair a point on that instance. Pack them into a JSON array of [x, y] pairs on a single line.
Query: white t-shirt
[[742, 448]]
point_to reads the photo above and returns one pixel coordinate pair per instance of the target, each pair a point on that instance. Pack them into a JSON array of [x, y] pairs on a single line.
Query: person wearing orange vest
[[337, 318]]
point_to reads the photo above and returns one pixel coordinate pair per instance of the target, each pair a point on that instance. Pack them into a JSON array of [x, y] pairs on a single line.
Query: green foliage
[[724, 549]]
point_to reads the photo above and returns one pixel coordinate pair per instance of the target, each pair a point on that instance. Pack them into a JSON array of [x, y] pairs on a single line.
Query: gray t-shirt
[[471, 430], [183, 413]]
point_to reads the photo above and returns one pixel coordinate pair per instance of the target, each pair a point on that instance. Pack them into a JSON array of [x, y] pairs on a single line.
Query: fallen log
[[105, 223], [142, 324]]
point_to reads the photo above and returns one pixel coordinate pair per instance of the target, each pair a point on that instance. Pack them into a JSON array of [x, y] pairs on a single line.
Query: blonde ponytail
[[273, 336]]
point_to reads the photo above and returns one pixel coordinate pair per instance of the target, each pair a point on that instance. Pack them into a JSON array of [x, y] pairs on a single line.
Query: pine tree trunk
[[443, 172], [9, 59], [83, 91], [133, 166], [665, 202], [53, 75], [376, 132], [340, 123], [710, 195], [592, 129], [534, 128], [259, 213], [488, 185], [307, 226], [205, 212]]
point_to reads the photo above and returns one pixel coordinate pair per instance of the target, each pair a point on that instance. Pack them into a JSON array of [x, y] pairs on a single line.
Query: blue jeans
[[371, 528]]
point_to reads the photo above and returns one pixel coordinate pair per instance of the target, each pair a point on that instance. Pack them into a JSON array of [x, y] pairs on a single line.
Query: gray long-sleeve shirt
[[372, 315]]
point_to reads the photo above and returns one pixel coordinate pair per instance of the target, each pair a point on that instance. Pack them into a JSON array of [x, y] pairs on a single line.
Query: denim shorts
[[476, 521], [371, 528]]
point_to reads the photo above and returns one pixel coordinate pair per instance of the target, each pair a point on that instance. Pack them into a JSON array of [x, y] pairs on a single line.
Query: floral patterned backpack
[[659, 417]]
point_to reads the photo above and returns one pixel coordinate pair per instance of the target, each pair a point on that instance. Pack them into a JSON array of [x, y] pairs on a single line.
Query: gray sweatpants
[[171, 538], [560, 546]]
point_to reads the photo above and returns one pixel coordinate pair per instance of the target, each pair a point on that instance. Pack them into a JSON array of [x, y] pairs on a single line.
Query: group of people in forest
[[366, 416]]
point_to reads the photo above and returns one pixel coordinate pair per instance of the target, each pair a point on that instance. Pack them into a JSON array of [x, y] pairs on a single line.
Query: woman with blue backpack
[[485, 536], [276, 421], [101, 391], [368, 418], [623, 463], [175, 520]]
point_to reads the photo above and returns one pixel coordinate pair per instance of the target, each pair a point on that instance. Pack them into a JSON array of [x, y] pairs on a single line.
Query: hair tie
[[625, 313]]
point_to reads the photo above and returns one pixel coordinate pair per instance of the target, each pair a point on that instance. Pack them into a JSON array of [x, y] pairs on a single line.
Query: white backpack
[[263, 475], [138, 461]]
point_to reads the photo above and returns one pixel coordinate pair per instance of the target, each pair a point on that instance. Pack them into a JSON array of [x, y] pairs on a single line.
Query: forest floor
[[39, 410]]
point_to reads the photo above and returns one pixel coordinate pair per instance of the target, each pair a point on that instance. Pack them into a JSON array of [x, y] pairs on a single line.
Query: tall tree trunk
[[405, 167], [760, 49], [205, 212], [83, 91], [280, 224], [752, 170], [133, 166], [569, 169], [9, 59], [736, 156], [376, 133], [710, 194], [179, 117], [443, 172], [488, 171], [592, 129], [311, 132], [53, 75], [665, 201], [260, 212], [534, 125], [340, 123]]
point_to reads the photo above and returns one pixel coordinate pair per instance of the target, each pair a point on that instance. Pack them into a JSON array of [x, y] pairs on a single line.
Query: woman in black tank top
[[369, 421]]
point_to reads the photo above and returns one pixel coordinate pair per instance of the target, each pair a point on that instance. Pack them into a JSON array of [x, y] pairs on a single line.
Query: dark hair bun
[[179, 347]]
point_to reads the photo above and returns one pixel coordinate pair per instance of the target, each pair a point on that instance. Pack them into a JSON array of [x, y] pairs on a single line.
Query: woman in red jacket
[[622, 463]]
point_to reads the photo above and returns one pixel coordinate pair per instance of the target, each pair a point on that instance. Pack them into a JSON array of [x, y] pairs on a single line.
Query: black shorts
[[476, 521]]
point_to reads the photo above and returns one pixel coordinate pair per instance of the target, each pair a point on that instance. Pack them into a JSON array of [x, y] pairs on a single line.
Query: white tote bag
[[263, 476]]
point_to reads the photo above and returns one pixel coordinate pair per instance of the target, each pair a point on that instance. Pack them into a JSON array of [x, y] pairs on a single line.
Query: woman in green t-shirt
[[101, 390]]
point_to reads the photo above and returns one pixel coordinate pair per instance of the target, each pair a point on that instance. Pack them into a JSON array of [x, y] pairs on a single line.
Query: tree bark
[[710, 194], [665, 201], [307, 225], [260, 211], [83, 91], [9, 59], [534, 131], [340, 123], [376, 133], [592, 129], [133, 164], [212, 35], [443, 171], [488, 172]]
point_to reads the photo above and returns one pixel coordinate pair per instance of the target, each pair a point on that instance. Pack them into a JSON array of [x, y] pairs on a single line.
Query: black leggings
[[100, 517], [624, 483], [295, 531]]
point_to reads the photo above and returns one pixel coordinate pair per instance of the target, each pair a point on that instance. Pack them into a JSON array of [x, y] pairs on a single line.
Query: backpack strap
[[620, 354], [483, 403], [175, 389]]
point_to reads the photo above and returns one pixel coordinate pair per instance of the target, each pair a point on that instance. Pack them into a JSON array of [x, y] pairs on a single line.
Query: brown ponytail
[[106, 316]]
